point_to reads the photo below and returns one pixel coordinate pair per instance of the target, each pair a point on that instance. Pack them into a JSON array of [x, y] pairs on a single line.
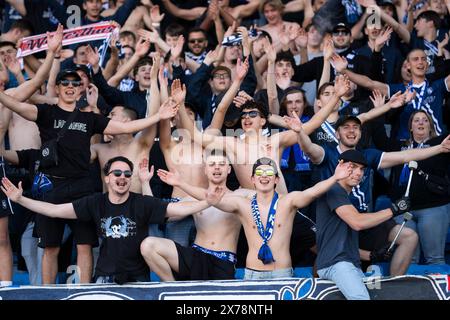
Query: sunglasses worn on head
[[251, 114], [268, 172], [65, 83], [197, 40], [117, 173]]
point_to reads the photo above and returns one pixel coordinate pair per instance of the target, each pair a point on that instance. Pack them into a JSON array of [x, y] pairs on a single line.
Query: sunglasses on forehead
[[117, 173], [66, 83], [268, 172], [251, 114]]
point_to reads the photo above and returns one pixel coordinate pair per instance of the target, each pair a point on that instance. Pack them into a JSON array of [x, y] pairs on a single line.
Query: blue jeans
[[348, 278], [250, 274], [431, 225]]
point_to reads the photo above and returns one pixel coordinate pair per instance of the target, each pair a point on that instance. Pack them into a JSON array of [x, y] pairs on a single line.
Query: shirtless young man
[[273, 12], [186, 156], [213, 254], [120, 217], [244, 151], [268, 218], [135, 147]]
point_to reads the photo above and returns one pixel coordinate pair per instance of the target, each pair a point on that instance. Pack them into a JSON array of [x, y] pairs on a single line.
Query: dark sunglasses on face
[[341, 33], [251, 114], [197, 40], [117, 173], [65, 83]]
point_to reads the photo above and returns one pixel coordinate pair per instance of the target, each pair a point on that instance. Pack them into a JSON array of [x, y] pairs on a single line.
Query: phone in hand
[[82, 102]]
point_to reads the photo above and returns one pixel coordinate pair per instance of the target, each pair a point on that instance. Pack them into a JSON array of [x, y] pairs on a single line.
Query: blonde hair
[[277, 4], [430, 121]]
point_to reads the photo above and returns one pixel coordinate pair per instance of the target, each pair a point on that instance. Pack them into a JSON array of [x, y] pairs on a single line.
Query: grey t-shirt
[[336, 241]]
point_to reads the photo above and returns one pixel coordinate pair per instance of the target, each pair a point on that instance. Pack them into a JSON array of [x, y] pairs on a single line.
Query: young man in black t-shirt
[[121, 218], [70, 177]]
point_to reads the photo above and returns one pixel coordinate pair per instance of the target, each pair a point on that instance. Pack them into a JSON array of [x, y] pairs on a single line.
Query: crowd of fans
[[221, 108]]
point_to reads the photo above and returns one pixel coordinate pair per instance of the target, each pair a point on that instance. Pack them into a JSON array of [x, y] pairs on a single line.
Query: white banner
[[90, 32]]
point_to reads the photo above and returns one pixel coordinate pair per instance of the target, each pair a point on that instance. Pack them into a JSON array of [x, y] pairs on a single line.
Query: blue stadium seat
[[417, 269], [154, 277], [303, 272], [20, 278], [239, 274]]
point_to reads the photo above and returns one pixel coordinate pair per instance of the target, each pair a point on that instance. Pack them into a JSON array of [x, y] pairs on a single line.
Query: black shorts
[[303, 237], [197, 265], [50, 230], [376, 237], [5, 206], [15, 175]]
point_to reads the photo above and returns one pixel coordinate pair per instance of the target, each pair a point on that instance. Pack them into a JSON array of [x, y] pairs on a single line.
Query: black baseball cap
[[385, 3], [353, 156], [263, 162], [344, 119], [66, 74], [341, 26]]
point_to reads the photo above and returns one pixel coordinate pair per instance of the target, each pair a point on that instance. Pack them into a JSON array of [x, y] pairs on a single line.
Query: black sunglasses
[[65, 83], [341, 32], [197, 40], [117, 173], [251, 114]]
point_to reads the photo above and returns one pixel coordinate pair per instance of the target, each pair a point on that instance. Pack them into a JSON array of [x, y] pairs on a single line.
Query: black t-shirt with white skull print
[[122, 228]]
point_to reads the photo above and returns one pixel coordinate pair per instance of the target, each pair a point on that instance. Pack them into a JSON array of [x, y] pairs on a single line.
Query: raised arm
[[145, 176], [312, 150], [155, 38], [328, 52], [245, 10], [64, 211], [301, 199], [26, 89], [396, 101], [147, 137], [26, 110], [391, 159], [272, 94], [142, 48], [174, 179], [124, 11], [19, 6], [342, 85], [186, 14], [212, 13], [219, 115], [166, 111], [113, 61], [203, 139], [340, 64]]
